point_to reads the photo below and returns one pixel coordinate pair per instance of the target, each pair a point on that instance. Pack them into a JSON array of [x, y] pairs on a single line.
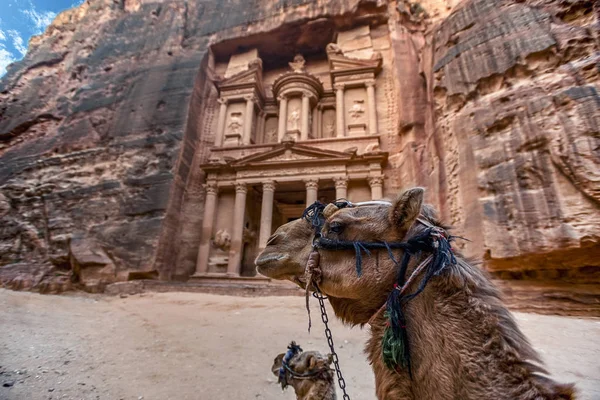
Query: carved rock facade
[[492, 105]]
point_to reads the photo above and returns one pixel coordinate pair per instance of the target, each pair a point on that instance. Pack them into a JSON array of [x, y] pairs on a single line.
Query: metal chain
[[338, 371]]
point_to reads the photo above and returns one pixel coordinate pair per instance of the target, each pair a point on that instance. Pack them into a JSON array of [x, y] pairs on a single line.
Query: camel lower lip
[[262, 260]]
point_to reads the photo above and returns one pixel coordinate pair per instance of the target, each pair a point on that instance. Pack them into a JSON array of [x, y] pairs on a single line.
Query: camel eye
[[336, 227]]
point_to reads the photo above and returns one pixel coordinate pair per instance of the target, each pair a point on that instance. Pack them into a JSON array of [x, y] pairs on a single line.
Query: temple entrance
[[286, 136]]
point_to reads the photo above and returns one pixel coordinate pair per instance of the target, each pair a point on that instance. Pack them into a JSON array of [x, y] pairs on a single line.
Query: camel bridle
[[433, 240]]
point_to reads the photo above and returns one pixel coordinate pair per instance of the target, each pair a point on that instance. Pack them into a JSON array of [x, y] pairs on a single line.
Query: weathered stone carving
[[293, 119], [235, 124], [298, 64], [333, 48], [357, 110], [222, 240]]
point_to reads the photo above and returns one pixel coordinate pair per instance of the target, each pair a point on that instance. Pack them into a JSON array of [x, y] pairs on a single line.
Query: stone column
[[239, 209], [341, 187], [248, 118], [312, 189], [260, 128], [372, 106], [339, 109], [221, 122], [282, 117], [376, 183], [305, 116], [210, 208], [266, 214], [319, 122]]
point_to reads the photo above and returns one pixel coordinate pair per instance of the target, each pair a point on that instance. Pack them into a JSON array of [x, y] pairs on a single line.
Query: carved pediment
[[251, 79], [286, 153], [339, 62]]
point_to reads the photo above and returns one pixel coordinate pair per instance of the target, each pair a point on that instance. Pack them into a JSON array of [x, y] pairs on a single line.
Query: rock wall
[[517, 116], [102, 130]]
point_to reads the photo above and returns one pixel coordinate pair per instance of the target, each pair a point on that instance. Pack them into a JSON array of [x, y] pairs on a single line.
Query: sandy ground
[[200, 346]]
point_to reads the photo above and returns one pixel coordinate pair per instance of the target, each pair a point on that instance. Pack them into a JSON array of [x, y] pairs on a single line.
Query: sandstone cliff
[[496, 111]]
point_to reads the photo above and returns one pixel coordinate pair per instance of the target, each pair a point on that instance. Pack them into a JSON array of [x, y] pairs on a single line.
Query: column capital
[[341, 182], [375, 180], [370, 83], [250, 97], [211, 188], [240, 187], [339, 86], [311, 183], [282, 97], [223, 100], [306, 94], [269, 186]]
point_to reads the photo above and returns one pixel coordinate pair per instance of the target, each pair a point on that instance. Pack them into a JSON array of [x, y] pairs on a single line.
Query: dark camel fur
[[319, 387], [464, 343]]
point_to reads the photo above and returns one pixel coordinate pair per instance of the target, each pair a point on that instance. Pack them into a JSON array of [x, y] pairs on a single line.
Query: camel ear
[[407, 208], [277, 364], [312, 363]]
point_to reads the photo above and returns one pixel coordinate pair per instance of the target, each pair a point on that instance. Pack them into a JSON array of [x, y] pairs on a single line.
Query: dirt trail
[[199, 346]]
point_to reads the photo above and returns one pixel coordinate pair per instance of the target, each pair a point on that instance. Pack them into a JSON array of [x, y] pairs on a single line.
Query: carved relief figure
[[298, 64], [222, 240], [235, 124], [330, 128], [294, 118], [272, 135], [357, 110]]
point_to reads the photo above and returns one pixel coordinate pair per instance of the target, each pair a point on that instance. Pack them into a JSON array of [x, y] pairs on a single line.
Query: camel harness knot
[[434, 240]]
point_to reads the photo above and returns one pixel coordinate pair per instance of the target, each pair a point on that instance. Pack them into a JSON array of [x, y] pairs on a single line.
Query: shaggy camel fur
[[464, 343], [320, 386]]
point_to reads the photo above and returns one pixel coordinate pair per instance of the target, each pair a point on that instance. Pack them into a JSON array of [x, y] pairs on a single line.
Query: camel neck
[[389, 384]]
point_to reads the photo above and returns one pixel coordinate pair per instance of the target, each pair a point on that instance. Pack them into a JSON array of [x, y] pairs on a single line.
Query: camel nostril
[[273, 239]]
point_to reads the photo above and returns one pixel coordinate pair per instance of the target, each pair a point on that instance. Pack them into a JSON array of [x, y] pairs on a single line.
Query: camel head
[[308, 372], [354, 298], [287, 251]]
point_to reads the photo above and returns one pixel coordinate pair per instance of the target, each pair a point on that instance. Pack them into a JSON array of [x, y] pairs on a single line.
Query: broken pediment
[[250, 81], [339, 62]]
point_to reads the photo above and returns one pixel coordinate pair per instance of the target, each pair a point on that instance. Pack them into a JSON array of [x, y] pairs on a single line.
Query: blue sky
[[21, 19]]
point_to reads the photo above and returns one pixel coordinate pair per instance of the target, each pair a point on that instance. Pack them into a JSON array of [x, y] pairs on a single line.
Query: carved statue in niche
[[235, 124], [330, 128], [272, 135], [357, 110], [222, 240], [294, 118], [298, 64]]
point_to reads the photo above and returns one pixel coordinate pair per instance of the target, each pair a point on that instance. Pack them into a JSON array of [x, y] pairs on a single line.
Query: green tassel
[[395, 346]]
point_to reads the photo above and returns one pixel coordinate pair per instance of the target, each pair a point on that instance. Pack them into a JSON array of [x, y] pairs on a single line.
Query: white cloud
[[5, 58], [17, 41], [40, 19], [2, 35]]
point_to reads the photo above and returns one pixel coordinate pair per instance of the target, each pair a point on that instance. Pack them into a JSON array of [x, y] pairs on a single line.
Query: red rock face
[[516, 105], [101, 130]]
